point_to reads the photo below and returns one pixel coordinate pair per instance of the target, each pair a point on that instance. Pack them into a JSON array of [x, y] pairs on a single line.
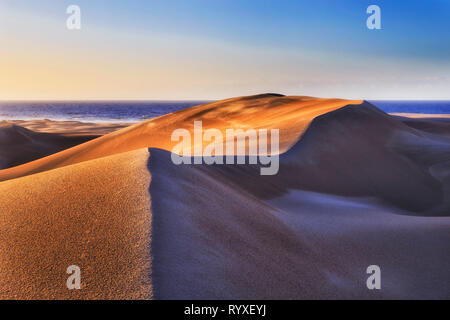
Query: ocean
[[89, 111], [139, 111], [428, 107]]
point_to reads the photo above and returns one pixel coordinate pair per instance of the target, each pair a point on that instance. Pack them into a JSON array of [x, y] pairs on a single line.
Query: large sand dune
[[95, 215], [356, 187], [300, 245], [290, 114], [362, 151]]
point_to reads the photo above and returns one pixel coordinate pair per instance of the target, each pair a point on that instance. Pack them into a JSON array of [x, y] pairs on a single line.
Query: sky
[[214, 49]]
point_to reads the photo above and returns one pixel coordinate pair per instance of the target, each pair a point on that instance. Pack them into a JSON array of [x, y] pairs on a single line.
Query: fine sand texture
[[95, 215], [356, 187]]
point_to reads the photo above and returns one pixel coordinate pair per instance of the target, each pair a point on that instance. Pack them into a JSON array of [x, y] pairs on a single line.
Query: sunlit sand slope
[[289, 114], [95, 215], [358, 188]]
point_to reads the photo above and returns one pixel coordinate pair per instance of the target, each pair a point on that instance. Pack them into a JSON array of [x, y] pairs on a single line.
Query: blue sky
[[319, 47]]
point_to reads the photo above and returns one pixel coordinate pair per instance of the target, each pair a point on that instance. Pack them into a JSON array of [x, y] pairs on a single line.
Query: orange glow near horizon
[[41, 59]]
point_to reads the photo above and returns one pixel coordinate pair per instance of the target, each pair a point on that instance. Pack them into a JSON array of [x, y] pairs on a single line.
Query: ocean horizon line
[[129, 111]]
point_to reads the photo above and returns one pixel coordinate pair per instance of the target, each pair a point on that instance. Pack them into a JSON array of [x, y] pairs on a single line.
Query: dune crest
[[290, 114], [356, 187], [94, 214]]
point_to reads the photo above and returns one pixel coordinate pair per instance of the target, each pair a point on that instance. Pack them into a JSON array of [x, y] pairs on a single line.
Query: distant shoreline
[[104, 127], [118, 113], [420, 115], [67, 128]]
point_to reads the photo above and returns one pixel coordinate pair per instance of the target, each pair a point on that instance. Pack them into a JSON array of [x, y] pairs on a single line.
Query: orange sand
[[289, 114], [356, 187], [95, 215]]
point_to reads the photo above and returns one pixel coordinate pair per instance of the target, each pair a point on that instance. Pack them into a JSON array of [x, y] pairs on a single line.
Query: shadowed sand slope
[[19, 145], [360, 151], [213, 239], [359, 188], [95, 215], [289, 114]]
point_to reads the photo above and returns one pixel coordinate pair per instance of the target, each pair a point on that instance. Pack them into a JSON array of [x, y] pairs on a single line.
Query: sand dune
[[356, 187], [440, 126], [95, 215], [289, 114], [19, 145], [300, 245], [359, 188], [361, 151]]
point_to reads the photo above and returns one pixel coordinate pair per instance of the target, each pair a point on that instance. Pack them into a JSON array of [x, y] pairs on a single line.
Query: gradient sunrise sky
[[211, 49]]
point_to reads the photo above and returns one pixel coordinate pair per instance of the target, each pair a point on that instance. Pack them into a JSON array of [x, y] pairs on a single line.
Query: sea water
[[89, 111], [122, 111], [425, 106]]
